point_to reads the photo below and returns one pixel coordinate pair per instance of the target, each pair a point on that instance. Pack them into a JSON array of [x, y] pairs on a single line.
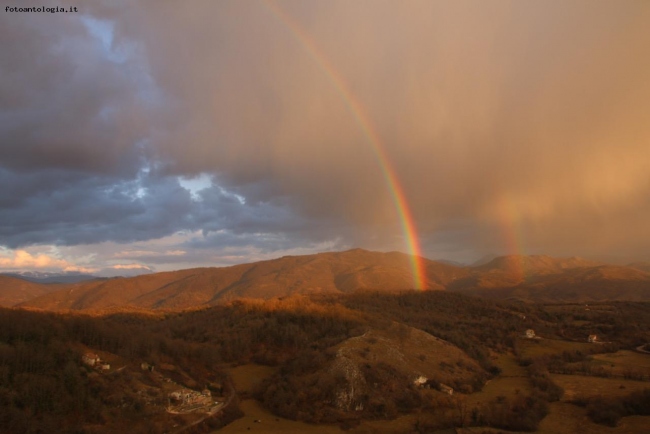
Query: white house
[[420, 381], [530, 333], [90, 359]]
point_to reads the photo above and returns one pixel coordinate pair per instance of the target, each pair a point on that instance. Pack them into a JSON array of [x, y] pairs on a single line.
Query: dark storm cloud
[[68, 208], [219, 209], [275, 239], [71, 208], [65, 104]]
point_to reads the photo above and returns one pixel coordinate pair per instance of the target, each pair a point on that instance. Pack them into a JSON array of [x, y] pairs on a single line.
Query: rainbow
[[509, 219], [356, 109]]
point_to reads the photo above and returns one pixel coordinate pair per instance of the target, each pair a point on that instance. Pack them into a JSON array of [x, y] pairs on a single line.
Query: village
[[179, 399], [183, 401]]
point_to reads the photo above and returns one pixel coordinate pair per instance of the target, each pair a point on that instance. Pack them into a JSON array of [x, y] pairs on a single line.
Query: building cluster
[[188, 396]]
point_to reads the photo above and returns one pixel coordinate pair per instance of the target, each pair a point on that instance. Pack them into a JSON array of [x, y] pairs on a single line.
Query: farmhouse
[[530, 333], [592, 338], [420, 381], [90, 359]]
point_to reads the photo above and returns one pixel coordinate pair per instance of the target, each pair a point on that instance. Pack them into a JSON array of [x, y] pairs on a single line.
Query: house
[[530, 333], [90, 359], [592, 338], [446, 389], [420, 381]]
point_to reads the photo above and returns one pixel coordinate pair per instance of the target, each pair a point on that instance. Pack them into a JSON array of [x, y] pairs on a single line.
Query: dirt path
[[641, 350]]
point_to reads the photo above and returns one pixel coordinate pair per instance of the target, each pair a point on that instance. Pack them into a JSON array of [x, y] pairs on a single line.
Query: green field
[[246, 377], [531, 348], [566, 418], [586, 386], [622, 362], [270, 423], [512, 380]]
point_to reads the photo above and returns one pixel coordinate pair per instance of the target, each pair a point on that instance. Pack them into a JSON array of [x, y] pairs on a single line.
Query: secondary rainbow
[[509, 219], [397, 193]]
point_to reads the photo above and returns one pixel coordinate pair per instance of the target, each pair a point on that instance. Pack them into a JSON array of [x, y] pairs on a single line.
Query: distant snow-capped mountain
[[50, 277]]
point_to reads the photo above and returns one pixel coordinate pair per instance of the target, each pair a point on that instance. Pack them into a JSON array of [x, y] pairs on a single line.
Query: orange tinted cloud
[[23, 260]]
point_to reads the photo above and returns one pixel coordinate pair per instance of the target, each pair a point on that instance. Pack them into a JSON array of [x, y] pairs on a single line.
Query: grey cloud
[[65, 104], [81, 209], [62, 207]]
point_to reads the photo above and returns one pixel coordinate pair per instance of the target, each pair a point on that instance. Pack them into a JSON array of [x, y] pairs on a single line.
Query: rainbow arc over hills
[[363, 120]]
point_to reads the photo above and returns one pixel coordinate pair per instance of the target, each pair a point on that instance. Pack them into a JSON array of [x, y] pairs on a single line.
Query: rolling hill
[[643, 266], [377, 374], [14, 290], [582, 284], [337, 272], [527, 278], [512, 270], [39, 277]]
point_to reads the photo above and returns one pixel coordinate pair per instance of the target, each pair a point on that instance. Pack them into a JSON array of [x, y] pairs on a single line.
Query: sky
[[140, 136]]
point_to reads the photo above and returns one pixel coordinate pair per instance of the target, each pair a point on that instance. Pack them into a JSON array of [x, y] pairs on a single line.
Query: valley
[[345, 357]]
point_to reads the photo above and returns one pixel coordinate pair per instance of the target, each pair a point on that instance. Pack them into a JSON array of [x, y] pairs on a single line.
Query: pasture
[[512, 380], [586, 386], [246, 377], [625, 362], [565, 418], [269, 423], [531, 348]]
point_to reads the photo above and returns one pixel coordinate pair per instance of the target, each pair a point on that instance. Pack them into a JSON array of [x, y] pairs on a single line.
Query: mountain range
[[49, 277], [526, 278]]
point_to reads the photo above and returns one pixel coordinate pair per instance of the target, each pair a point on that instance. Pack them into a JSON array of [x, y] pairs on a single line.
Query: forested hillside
[[445, 337]]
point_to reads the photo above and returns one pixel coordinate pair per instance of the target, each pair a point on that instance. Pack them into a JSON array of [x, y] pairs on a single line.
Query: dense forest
[[44, 386]]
